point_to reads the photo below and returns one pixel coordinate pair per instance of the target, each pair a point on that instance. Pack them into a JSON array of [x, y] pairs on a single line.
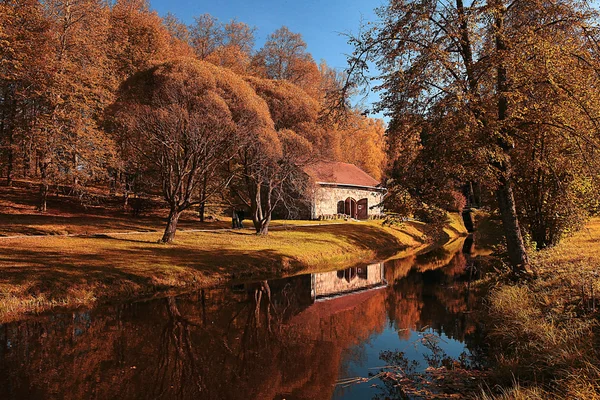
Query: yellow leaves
[[362, 143], [295, 146]]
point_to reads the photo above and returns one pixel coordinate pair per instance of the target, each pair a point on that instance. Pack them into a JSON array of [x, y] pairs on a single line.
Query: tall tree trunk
[[264, 226], [169, 234], [75, 178], [266, 220], [10, 161], [506, 199], [202, 209], [26, 149], [256, 206], [514, 240], [11, 150], [42, 206]]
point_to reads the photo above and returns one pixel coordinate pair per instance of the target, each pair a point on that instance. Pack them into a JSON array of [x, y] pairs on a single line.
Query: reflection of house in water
[[309, 288], [335, 283]]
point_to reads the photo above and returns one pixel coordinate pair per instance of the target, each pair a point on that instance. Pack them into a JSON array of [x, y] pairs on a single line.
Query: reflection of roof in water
[[350, 293], [349, 280], [328, 306]]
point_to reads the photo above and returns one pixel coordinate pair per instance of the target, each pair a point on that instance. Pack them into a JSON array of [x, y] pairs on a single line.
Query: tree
[[240, 35], [187, 119], [70, 146], [205, 35], [269, 173], [138, 39], [362, 142], [284, 56], [235, 49], [26, 53], [178, 30], [458, 67]]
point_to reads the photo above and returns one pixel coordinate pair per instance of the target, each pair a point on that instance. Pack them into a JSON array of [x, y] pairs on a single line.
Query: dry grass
[[39, 273], [67, 216], [117, 257], [545, 332]]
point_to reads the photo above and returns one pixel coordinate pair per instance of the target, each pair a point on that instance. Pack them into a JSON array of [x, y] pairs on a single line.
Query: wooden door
[[363, 209]]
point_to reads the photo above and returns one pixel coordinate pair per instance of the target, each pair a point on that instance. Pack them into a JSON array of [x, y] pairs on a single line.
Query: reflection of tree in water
[[440, 300], [178, 366], [189, 353], [444, 377], [261, 340]]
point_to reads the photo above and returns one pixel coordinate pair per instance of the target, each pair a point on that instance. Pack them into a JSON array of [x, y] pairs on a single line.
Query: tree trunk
[[10, 161], [266, 220], [42, 206], [202, 209], [256, 207], [169, 234], [27, 158], [506, 199], [75, 178], [514, 240], [264, 226]]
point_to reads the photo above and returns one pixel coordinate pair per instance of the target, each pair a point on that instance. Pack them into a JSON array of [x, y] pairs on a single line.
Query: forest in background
[[67, 118]]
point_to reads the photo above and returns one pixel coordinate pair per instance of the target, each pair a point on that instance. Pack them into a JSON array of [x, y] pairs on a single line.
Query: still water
[[297, 338]]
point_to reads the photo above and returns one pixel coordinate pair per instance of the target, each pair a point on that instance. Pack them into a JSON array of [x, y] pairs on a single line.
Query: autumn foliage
[[109, 94], [497, 95]]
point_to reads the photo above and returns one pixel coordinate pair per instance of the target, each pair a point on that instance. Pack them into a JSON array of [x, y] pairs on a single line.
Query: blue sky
[[319, 21]]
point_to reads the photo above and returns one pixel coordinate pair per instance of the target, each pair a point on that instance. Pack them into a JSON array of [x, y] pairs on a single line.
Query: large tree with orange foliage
[[70, 146], [25, 50], [478, 80], [186, 119], [285, 57]]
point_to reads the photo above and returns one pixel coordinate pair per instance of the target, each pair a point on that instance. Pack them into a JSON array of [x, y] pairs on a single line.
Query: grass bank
[[39, 273], [545, 332]]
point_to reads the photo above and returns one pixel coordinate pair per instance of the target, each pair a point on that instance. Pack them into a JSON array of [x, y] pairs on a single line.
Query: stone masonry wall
[[326, 199], [329, 283]]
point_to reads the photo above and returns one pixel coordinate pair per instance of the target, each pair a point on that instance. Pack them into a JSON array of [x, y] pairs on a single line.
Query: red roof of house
[[339, 173]]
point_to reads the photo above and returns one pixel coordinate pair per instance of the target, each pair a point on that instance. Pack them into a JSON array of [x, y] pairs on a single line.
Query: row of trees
[[110, 94], [499, 93]]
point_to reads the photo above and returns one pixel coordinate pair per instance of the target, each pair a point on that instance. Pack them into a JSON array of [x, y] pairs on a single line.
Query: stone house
[[341, 189]]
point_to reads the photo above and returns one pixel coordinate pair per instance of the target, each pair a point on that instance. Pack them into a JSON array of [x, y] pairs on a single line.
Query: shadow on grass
[[133, 267], [132, 272], [48, 224]]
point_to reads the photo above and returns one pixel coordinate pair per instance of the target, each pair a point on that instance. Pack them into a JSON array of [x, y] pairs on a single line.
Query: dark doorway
[[362, 209], [350, 208], [341, 207]]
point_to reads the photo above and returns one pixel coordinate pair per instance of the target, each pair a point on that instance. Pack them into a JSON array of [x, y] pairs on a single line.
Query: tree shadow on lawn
[[131, 272], [141, 268], [44, 224]]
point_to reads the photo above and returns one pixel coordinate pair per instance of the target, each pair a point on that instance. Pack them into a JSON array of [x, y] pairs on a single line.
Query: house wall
[[326, 199], [329, 283]]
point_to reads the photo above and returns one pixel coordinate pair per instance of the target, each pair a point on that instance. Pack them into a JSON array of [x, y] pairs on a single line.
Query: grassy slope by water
[[545, 332], [39, 273]]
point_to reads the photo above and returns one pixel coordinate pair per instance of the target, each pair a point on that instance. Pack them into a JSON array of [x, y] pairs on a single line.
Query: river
[[304, 337]]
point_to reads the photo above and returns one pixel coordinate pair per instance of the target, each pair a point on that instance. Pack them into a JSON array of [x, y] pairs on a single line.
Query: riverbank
[[44, 272], [545, 332]]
